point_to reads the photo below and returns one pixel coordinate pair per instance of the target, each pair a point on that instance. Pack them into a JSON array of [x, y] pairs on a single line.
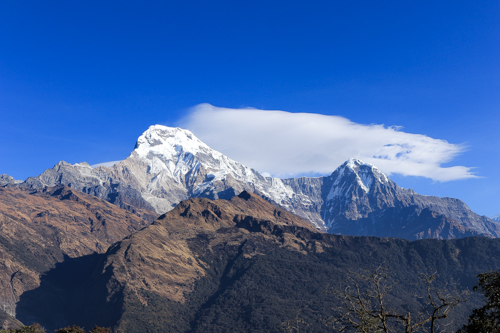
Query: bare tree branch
[[364, 305]]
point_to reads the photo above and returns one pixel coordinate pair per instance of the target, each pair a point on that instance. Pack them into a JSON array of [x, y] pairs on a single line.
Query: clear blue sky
[[81, 80]]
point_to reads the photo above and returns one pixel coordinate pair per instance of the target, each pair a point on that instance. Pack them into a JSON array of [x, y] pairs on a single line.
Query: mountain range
[[169, 165], [180, 238]]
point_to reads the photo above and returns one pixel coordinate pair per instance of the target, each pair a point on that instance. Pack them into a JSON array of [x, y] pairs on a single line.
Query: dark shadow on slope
[[228, 277], [74, 292]]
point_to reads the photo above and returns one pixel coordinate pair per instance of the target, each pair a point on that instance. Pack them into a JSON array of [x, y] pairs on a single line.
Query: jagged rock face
[[307, 198], [363, 201], [169, 165], [348, 196], [496, 218], [6, 179], [179, 166], [101, 182], [39, 228]]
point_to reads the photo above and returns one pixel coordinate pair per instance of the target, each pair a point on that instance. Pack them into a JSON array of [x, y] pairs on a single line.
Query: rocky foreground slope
[[242, 265], [169, 165]]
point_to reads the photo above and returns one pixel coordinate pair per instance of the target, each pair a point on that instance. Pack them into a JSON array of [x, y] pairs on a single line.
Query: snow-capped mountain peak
[[354, 163], [365, 173], [159, 138], [177, 161], [175, 152], [169, 165]]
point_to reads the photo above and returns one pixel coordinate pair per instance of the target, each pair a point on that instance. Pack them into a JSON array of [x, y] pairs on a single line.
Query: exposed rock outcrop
[[6, 179]]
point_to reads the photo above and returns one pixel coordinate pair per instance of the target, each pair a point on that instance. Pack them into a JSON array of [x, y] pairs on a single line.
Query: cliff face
[[6, 179], [119, 187], [361, 200], [39, 228]]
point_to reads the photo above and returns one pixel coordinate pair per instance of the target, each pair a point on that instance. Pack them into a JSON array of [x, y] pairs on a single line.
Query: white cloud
[[288, 144], [105, 164]]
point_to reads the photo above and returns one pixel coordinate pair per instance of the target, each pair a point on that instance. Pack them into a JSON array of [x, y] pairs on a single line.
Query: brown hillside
[[164, 258], [39, 228], [240, 265]]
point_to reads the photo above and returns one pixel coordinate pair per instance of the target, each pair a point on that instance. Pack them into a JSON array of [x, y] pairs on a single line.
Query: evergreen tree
[[487, 318]]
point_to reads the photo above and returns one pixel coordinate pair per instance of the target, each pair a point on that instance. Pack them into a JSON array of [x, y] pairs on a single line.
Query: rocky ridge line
[[169, 165]]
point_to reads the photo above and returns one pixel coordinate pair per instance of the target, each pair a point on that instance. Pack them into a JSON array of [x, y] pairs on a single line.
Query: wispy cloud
[[287, 144]]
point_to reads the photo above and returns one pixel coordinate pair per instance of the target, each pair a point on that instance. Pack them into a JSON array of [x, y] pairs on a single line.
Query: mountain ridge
[[240, 265], [169, 165]]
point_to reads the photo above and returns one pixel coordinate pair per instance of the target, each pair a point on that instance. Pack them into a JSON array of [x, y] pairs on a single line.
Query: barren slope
[[39, 228]]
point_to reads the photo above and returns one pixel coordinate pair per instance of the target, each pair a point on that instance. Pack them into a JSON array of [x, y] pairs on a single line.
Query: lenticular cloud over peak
[[286, 144]]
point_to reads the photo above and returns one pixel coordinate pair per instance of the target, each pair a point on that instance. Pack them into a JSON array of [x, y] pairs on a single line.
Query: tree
[[71, 329], [365, 308], [98, 329], [487, 318], [294, 325], [35, 328]]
